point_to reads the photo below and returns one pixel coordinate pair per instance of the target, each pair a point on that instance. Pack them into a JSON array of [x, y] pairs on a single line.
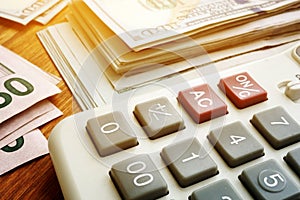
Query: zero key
[[111, 133], [242, 90]]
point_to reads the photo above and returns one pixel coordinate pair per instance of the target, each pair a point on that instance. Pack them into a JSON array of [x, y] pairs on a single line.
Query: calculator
[[225, 135]]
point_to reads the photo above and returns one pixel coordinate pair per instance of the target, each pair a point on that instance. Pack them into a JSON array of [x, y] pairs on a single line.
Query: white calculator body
[[230, 134]]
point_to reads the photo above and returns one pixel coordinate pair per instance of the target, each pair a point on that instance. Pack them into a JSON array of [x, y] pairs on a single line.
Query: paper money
[[24, 117], [31, 68], [160, 21], [15, 6], [25, 11], [74, 61], [24, 89], [20, 85], [96, 35], [75, 76], [30, 119], [24, 149], [52, 12]]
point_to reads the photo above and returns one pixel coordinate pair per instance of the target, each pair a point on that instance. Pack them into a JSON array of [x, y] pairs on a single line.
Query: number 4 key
[[235, 144]]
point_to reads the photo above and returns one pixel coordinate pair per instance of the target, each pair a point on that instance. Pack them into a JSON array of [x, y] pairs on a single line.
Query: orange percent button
[[242, 90]]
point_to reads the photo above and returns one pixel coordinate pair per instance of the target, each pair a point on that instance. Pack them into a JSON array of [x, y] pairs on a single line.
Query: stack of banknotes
[[25, 11], [24, 106], [145, 40], [146, 33]]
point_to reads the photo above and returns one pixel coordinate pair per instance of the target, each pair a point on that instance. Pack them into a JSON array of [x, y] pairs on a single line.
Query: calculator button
[[188, 162], [138, 178], [218, 190], [235, 144], [111, 133], [296, 54], [277, 126], [202, 103], [158, 117], [267, 180], [293, 160], [292, 90], [242, 90]]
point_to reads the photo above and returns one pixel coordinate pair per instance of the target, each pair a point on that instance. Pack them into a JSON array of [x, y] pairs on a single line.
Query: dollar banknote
[[32, 118], [25, 148], [15, 6], [96, 35], [45, 17], [21, 86], [24, 106], [24, 11], [145, 23]]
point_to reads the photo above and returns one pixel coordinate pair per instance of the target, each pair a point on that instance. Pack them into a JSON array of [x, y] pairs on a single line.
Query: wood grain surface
[[35, 179]]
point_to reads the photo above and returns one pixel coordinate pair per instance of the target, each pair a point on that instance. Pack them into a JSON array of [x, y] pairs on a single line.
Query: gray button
[[138, 178], [293, 160], [235, 144], [277, 126], [111, 133], [218, 190], [188, 162], [158, 117], [267, 180]]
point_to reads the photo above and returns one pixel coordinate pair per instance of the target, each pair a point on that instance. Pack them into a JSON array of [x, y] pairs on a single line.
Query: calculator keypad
[[186, 159]]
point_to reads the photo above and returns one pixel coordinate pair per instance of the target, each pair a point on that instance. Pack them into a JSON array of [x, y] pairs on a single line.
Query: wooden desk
[[36, 179]]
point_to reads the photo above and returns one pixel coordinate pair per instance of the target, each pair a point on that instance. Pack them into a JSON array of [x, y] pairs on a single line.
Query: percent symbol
[[244, 81], [245, 92]]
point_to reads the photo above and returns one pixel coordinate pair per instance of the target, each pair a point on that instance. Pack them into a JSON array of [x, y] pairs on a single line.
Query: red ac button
[[202, 103]]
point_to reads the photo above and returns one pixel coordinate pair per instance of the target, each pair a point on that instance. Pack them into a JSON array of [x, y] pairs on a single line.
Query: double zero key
[[138, 178]]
